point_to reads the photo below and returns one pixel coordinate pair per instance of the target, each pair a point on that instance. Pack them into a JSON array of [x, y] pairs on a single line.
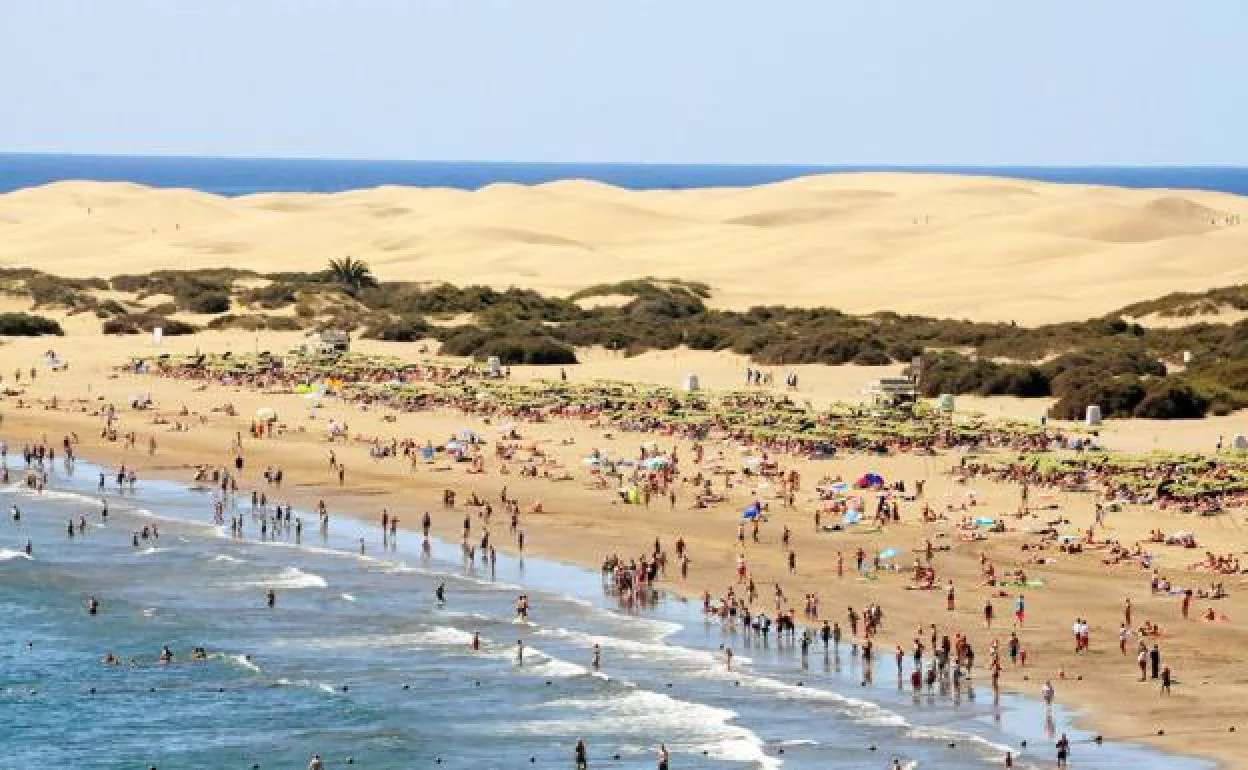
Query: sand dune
[[969, 247]]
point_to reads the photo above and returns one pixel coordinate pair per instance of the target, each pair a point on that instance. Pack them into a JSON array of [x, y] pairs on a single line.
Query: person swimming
[[93, 606], [166, 654]]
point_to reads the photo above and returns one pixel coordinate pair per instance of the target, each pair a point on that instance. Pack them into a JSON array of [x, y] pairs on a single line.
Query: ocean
[[358, 661], [243, 176]]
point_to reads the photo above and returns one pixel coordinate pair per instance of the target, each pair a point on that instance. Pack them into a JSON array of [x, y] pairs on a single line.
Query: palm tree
[[352, 274]]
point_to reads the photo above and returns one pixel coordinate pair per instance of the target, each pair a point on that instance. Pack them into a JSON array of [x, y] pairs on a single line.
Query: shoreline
[[560, 577], [558, 535]]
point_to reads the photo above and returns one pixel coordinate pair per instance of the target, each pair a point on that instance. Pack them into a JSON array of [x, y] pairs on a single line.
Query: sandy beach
[[583, 525]]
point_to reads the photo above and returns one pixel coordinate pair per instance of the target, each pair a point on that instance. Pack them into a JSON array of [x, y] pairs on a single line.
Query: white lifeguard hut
[[690, 383], [1092, 416], [495, 365], [1240, 442]]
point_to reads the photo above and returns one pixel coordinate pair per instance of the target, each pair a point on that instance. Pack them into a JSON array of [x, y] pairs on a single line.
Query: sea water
[[243, 176], [358, 661]]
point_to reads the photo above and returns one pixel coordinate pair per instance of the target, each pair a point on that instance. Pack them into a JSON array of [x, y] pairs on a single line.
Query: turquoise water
[[242, 176], [358, 662]]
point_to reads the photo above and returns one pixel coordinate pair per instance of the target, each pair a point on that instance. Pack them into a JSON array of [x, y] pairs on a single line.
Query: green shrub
[[254, 323], [274, 296], [1115, 397], [211, 302], [139, 323], [1171, 401], [26, 325], [405, 329]]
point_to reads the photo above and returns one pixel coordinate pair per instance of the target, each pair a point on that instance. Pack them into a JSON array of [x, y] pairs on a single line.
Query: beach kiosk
[[690, 383], [1092, 417], [945, 402], [1240, 442], [495, 365]]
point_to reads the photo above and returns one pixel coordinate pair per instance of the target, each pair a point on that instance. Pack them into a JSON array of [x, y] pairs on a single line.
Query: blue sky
[[993, 82]]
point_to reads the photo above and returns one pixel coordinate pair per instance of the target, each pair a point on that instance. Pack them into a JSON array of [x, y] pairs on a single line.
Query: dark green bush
[[274, 296], [405, 329], [26, 325], [1115, 397], [139, 323], [254, 323], [540, 351], [209, 302], [1171, 401]]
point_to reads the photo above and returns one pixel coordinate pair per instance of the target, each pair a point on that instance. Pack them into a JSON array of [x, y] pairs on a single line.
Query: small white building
[[327, 342], [1092, 416], [690, 383]]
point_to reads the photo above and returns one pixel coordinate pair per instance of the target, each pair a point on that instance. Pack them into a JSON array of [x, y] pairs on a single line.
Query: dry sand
[[941, 245], [582, 524]]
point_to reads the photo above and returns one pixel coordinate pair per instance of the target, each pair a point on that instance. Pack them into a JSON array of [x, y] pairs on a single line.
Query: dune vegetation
[[1127, 368]]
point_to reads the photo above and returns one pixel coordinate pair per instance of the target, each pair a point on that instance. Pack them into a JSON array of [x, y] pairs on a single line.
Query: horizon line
[[752, 164]]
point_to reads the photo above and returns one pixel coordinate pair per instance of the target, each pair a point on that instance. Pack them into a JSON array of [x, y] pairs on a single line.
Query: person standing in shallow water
[[581, 755]]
